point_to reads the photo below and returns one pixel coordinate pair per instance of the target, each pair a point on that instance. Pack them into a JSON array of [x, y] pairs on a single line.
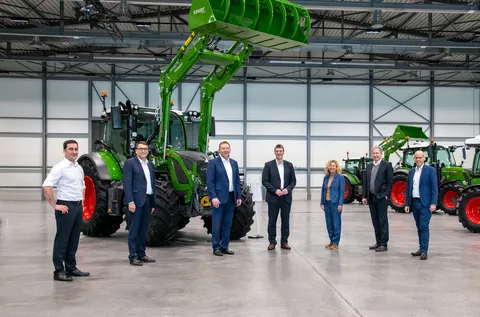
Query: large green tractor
[[353, 171], [180, 169]]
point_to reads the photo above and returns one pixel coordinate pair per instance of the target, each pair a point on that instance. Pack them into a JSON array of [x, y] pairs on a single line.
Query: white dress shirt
[[281, 171], [228, 168], [68, 177], [146, 171], [416, 182]]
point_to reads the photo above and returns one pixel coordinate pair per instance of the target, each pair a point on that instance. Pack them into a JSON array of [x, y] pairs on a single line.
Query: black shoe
[[217, 253], [77, 272], [228, 251], [374, 247], [62, 276], [146, 259], [381, 248], [423, 256], [418, 253], [135, 262]]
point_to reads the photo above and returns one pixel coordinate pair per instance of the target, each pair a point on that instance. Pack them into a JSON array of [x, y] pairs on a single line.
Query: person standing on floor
[[422, 195], [139, 189], [278, 177], [377, 187], [333, 189], [67, 175], [223, 185]]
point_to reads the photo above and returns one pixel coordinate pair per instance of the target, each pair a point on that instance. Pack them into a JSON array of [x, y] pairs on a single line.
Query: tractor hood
[[189, 157]]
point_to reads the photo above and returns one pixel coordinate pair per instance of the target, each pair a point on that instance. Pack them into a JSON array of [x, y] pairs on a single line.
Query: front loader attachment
[[274, 24], [401, 135]]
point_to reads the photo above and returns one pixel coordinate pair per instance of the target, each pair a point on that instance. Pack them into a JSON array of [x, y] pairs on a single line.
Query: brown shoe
[[285, 246], [327, 246], [271, 246], [334, 247]]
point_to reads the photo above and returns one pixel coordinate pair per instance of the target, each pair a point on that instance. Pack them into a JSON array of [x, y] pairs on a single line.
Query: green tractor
[[180, 168], [469, 201], [353, 171]]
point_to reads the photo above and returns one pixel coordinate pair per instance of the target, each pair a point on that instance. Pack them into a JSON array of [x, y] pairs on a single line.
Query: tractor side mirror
[[212, 127], [430, 150], [116, 117], [464, 154]]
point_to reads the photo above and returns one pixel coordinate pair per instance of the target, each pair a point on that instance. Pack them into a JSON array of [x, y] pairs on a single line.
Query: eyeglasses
[[142, 148]]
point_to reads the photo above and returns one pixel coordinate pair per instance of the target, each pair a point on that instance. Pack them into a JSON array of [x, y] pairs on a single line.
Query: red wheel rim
[[450, 199], [347, 191], [473, 210], [90, 199], [398, 193]]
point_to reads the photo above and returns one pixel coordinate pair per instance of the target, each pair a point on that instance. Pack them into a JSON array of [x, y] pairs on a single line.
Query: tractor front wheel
[[448, 197], [96, 220], [165, 218], [398, 198], [348, 195], [242, 216], [469, 209]]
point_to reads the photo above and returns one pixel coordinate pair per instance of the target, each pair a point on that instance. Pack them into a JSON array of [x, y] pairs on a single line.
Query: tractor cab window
[[116, 138], [176, 135], [476, 163], [352, 166], [443, 155]]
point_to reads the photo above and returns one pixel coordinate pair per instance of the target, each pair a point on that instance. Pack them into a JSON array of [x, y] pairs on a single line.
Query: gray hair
[[377, 148]]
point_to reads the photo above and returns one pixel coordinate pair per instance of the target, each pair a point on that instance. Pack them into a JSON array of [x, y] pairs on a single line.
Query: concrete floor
[[188, 280]]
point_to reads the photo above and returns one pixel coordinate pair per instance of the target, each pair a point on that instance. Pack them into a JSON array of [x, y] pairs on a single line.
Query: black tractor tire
[[468, 209], [397, 197], [349, 195], [448, 195], [242, 216], [100, 224], [182, 222], [165, 218]]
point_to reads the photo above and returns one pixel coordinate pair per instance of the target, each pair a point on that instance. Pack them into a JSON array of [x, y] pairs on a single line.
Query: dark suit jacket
[[383, 182], [135, 183], [218, 183], [271, 180], [428, 187]]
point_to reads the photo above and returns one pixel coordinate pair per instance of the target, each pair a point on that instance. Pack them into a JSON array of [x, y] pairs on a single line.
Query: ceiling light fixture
[[19, 20], [377, 20], [143, 24]]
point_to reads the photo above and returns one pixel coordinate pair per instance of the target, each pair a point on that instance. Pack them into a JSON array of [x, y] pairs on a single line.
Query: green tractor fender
[[351, 178], [351, 181], [107, 166]]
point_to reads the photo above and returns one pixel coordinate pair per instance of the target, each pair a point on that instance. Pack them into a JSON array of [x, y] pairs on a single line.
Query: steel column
[[432, 104], [113, 84], [147, 102], [309, 121], [370, 111], [244, 139], [44, 123], [90, 104]]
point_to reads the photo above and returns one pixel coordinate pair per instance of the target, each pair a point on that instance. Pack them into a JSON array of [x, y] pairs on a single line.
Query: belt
[[416, 198], [73, 202], [148, 195]]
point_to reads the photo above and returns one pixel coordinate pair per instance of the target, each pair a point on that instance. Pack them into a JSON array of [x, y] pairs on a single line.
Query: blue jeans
[[222, 224], [422, 217], [334, 221]]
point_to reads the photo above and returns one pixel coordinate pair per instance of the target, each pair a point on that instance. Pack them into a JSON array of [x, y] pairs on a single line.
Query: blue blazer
[[217, 180], [428, 187], [135, 183], [337, 189]]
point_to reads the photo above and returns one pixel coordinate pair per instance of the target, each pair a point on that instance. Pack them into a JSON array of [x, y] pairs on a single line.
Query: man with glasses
[[139, 189]]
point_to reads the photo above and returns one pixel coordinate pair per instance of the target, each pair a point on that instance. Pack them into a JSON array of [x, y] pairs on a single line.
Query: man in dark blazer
[[278, 177], [422, 195], [139, 189], [223, 185], [377, 187]]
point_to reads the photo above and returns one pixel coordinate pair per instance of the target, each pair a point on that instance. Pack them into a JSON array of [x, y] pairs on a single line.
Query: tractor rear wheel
[[242, 216], [165, 218], [469, 209], [96, 220], [348, 196], [398, 198], [448, 197]]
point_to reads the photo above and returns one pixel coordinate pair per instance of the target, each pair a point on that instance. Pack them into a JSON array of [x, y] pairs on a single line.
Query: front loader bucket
[[403, 131], [274, 24]]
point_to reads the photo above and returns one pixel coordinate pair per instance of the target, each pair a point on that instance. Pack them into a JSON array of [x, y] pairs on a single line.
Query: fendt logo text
[[201, 10]]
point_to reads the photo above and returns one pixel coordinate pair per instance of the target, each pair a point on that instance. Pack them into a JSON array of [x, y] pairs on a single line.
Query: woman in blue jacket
[[332, 202]]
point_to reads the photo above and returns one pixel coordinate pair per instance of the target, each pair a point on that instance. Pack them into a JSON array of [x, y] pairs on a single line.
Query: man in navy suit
[[278, 177], [139, 189], [223, 184], [422, 195]]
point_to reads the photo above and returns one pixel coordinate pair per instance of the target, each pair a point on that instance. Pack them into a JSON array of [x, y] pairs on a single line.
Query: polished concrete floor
[[188, 280]]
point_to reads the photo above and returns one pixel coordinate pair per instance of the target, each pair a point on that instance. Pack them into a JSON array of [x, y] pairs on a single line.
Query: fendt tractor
[[469, 200], [353, 171], [180, 169]]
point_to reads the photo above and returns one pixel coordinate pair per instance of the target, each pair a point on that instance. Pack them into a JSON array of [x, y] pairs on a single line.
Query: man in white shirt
[[278, 177], [67, 175], [421, 198]]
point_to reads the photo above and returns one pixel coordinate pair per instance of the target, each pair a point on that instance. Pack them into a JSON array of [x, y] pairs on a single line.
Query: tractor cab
[[443, 156]]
